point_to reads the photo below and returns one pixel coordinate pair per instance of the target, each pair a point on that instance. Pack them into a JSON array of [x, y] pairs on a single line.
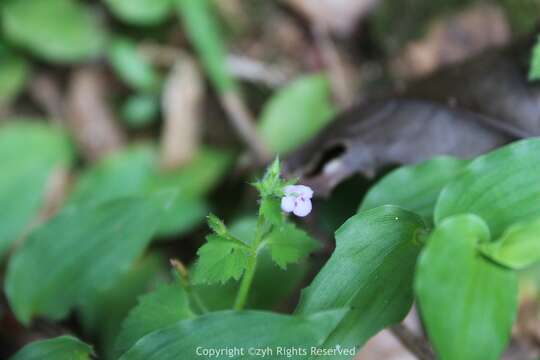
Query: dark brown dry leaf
[[369, 138], [181, 102], [89, 117]]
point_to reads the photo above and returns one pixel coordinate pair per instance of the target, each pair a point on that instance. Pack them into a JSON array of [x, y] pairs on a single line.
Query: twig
[[338, 76], [250, 69], [244, 124], [415, 344]]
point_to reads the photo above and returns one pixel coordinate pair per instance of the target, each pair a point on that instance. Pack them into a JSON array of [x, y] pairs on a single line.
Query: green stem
[[249, 274]]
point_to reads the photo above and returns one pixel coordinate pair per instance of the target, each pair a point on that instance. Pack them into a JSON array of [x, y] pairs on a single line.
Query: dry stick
[[338, 77], [415, 344], [244, 124]]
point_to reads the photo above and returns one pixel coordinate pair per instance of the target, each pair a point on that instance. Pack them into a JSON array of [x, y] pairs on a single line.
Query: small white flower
[[297, 200]]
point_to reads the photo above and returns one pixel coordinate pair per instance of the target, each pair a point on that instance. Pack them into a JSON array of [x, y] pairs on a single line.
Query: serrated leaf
[[80, 252], [131, 66], [102, 314], [518, 247], [502, 187], [270, 208], [467, 302], [204, 32], [297, 112], [289, 244], [55, 30], [415, 187], [220, 260], [29, 153], [141, 12], [167, 305], [229, 329], [371, 272], [217, 225], [60, 348]]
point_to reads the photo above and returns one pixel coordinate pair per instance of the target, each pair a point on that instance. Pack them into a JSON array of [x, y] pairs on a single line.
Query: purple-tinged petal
[[303, 207], [288, 203], [304, 191], [290, 190]]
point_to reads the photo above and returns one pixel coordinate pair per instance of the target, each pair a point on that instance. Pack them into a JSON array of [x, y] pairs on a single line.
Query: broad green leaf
[[140, 110], [415, 187], [141, 12], [121, 174], [229, 329], [534, 68], [502, 187], [80, 252], [131, 66], [289, 244], [14, 72], [220, 260], [29, 153], [102, 314], [518, 247], [261, 296], [467, 302], [134, 172], [56, 30], [60, 348], [205, 34], [296, 113], [167, 305], [370, 272]]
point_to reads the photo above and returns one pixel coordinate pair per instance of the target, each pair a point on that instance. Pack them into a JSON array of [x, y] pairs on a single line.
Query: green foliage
[[534, 68], [518, 247], [29, 153], [502, 187], [205, 34], [102, 314], [61, 31], [140, 110], [84, 250], [415, 187], [60, 348], [14, 72], [296, 113], [468, 303], [132, 67], [219, 330], [167, 305], [141, 12], [370, 272], [289, 244]]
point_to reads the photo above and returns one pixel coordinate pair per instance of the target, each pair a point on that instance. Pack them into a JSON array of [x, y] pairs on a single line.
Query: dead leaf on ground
[[181, 103]]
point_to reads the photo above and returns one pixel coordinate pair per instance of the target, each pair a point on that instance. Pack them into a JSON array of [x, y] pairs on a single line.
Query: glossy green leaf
[[502, 187], [220, 260], [29, 153], [60, 348], [56, 30], [415, 187], [468, 303], [167, 305], [296, 113], [518, 247], [131, 66], [84, 250], [102, 315], [228, 329], [14, 72], [370, 272], [205, 34], [141, 12], [288, 244]]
